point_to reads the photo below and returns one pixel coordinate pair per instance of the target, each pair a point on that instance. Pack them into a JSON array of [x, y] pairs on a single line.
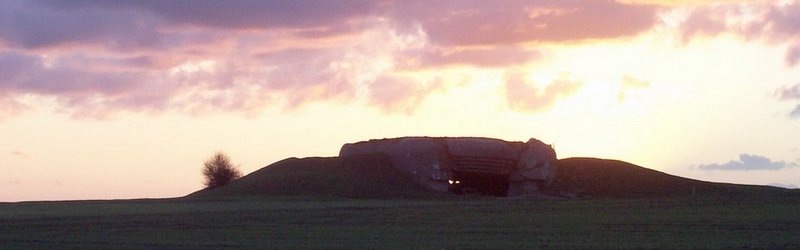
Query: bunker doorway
[[479, 183]]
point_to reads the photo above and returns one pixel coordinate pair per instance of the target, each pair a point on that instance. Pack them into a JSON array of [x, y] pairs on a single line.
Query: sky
[[127, 99]]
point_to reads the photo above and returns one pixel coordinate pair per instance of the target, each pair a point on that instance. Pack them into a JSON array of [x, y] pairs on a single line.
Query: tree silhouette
[[218, 171]]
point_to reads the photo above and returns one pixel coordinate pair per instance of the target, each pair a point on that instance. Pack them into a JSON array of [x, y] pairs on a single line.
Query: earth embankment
[[373, 177]]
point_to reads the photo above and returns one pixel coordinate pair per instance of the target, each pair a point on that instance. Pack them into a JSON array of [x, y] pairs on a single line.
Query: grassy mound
[[373, 177], [598, 178], [365, 176]]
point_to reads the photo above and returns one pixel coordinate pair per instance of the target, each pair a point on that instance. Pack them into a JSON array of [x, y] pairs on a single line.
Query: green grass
[[363, 202], [611, 179], [435, 224], [362, 177]]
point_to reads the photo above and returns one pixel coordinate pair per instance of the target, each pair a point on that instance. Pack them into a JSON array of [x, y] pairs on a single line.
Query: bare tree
[[218, 171]]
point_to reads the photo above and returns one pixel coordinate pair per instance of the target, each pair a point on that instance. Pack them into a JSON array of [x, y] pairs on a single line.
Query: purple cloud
[[793, 54], [784, 19], [514, 22], [790, 93], [161, 25], [493, 57], [71, 85], [94, 58], [748, 162], [28, 24], [795, 112], [393, 94], [308, 74], [241, 14], [773, 22]]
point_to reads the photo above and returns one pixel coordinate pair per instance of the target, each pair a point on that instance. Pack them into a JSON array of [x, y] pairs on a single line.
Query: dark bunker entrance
[[479, 183]]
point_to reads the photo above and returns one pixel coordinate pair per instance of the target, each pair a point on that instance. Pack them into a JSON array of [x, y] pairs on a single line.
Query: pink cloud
[[98, 86], [492, 57], [704, 21], [523, 96], [514, 22], [72, 86], [10, 108], [95, 58], [773, 22], [393, 94], [784, 19]]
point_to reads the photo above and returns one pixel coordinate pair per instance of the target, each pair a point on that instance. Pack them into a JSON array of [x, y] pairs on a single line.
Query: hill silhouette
[[364, 176], [373, 177], [600, 178]]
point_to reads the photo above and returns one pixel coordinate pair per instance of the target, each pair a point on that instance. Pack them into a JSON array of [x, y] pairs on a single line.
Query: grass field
[[471, 222]]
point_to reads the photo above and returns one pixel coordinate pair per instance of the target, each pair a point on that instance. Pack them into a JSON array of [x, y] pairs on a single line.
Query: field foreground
[[363, 202], [474, 222]]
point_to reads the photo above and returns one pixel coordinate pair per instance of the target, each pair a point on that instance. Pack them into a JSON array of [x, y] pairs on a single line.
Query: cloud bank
[[748, 162], [92, 58]]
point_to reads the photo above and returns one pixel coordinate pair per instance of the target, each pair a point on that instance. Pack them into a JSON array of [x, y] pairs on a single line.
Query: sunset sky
[[126, 99]]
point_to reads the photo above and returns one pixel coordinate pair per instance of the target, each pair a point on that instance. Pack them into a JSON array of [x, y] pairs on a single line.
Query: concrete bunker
[[482, 166]]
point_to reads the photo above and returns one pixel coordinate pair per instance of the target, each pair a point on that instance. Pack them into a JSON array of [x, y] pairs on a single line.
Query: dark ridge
[[364, 176], [373, 177], [599, 178]]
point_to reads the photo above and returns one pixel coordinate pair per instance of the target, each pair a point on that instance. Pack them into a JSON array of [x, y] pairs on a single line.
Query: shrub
[[218, 171]]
